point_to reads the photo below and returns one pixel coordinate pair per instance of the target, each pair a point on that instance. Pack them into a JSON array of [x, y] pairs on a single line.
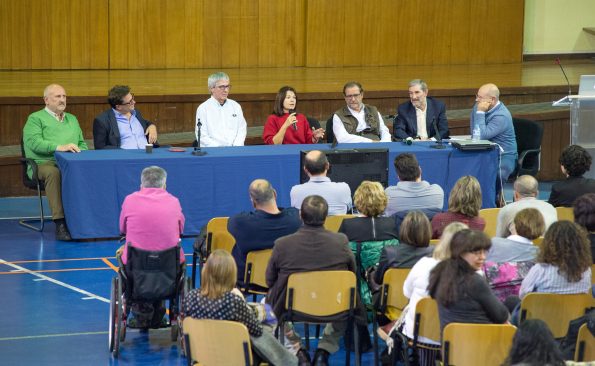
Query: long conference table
[[95, 182]]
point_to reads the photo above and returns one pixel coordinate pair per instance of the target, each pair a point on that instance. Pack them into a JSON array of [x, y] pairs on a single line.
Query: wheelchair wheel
[[123, 314], [114, 318]]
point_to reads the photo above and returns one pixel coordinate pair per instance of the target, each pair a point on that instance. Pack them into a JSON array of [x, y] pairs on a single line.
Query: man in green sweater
[[46, 131]]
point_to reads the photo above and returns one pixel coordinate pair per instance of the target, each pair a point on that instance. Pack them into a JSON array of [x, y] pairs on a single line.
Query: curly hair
[[534, 345], [567, 247], [575, 160], [465, 196], [584, 211], [370, 199], [529, 223]]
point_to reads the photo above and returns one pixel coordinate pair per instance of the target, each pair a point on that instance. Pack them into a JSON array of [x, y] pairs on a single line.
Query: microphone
[[408, 141], [565, 77], [294, 124], [437, 135], [197, 151]]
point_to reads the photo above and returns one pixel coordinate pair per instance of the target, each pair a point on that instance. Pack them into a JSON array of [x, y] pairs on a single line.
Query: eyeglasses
[[130, 102], [223, 87], [477, 96], [350, 96]]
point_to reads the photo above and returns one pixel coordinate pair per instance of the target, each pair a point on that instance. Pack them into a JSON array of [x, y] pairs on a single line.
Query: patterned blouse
[[227, 307]]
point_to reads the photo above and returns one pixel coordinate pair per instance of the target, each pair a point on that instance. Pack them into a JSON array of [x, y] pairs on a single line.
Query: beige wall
[[556, 26]]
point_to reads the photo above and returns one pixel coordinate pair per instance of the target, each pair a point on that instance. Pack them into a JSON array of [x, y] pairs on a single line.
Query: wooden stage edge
[[170, 98]]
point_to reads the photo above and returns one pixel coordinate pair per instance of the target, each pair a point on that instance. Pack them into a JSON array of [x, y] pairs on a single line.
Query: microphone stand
[[197, 151], [438, 144], [565, 101]]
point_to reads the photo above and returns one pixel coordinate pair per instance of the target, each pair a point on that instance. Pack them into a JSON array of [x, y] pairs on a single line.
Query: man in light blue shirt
[[122, 126], [337, 194]]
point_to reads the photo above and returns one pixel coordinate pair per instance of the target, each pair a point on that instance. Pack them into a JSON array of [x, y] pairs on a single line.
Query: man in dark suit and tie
[[122, 126], [416, 118]]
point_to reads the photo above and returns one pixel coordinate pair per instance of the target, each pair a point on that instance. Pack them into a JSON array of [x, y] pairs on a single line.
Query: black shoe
[[62, 232], [321, 357], [303, 357]]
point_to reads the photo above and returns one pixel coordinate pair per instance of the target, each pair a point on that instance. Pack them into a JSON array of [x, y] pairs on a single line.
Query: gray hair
[[419, 82], [261, 191], [526, 186], [46, 91], [214, 78], [153, 177]]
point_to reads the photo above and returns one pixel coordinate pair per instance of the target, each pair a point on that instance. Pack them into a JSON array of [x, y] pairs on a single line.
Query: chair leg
[[28, 223], [307, 335], [375, 335], [194, 260]]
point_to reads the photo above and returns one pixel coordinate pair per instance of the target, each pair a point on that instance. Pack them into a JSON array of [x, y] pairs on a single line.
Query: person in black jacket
[[122, 126], [575, 161]]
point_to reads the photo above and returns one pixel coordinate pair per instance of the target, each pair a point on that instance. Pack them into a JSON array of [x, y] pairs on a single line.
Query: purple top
[[152, 219]]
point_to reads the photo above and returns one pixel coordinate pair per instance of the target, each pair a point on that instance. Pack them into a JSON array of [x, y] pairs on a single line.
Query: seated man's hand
[[151, 133], [68, 147]]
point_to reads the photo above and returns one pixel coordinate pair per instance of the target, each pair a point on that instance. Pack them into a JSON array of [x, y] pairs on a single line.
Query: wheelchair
[[148, 276]]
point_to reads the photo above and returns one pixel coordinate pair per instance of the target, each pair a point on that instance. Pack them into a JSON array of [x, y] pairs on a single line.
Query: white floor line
[[51, 335], [59, 283]]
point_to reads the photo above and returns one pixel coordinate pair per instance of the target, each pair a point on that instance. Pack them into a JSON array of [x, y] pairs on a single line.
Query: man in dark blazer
[[428, 109], [122, 126]]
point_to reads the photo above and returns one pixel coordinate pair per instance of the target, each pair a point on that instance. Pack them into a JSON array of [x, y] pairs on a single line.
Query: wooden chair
[[427, 322], [538, 241], [216, 342], [585, 345], [476, 344], [321, 297], [592, 274], [333, 223], [434, 241], [565, 213], [34, 184], [556, 310], [490, 215], [254, 277], [217, 238], [392, 300]]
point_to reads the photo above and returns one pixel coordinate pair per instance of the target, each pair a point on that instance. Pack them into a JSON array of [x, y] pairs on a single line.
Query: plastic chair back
[[256, 266], [490, 215], [217, 235], [393, 301], [427, 321], [476, 344], [333, 223], [565, 213], [585, 345]]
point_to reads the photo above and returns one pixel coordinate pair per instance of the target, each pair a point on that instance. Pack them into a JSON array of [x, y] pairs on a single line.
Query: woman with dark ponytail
[[464, 296]]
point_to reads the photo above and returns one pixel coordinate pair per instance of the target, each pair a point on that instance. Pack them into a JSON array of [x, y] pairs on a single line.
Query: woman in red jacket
[[285, 126]]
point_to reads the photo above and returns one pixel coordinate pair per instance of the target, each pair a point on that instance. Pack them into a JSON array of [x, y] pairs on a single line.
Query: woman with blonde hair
[[218, 299], [464, 203]]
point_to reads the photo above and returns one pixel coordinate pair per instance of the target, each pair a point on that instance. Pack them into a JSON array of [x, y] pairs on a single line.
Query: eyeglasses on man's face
[[223, 87], [352, 96], [131, 101]]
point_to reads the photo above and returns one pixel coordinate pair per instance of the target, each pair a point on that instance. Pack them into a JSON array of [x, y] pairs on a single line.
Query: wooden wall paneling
[[230, 26], [89, 34], [370, 36], [174, 35], [505, 33], [251, 20], [122, 38], [326, 30], [460, 31], [193, 34]]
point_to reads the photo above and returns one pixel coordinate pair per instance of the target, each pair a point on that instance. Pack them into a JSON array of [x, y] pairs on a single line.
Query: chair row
[[490, 215]]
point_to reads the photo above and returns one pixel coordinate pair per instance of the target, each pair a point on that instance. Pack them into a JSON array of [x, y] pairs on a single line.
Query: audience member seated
[[463, 296], [358, 122], [416, 287], [220, 119], [258, 229], [574, 162], [584, 215], [414, 236], [218, 299], [534, 344], [151, 219], [122, 126], [464, 203], [45, 132], [411, 192], [563, 263], [416, 117], [311, 248], [285, 125], [370, 232], [510, 259], [337, 194], [525, 196]]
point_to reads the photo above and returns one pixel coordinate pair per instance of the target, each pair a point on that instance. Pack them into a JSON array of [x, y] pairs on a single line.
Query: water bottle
[[476, 133]]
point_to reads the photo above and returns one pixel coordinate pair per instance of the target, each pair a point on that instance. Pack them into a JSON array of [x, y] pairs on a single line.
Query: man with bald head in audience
[[525, 196], [336, 194], [47, 131], [495, 124], [258, 229]]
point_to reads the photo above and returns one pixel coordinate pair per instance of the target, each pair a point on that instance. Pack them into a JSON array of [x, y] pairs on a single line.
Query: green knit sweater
[[43, 133]]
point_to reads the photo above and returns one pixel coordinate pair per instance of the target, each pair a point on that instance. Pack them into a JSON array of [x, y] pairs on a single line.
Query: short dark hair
[[407, 167], [351, 84], [584, 211], [116, 95], [575, 160], [316, 166], [281, 94], [314, 210]]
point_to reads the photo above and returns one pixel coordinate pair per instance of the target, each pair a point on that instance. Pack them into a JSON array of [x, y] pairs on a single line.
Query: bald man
[[336, 194], [495, 123], [526, 190], [258, 229], [47, 131]]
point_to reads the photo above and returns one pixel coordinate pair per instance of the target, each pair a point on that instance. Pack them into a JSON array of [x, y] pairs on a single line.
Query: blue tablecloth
[[95, 182]]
